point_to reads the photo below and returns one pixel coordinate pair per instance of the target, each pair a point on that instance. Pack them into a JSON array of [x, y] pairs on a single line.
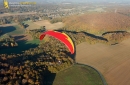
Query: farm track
[[16, 14], [112, 61]]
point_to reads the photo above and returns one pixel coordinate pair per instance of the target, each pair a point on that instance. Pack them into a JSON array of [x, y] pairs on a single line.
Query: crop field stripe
[[101, 76]]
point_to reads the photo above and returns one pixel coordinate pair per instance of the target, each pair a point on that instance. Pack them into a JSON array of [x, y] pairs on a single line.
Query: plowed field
[[112, 61]]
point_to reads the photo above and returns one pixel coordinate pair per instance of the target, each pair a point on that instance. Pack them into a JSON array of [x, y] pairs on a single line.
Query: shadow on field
[[48, 78], [94, 36], [87, 34], [113, 32], [7, 29], [20, 38], [22, 46]]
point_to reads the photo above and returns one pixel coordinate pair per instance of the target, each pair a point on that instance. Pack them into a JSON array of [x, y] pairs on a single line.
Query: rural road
[[112, 61], [5, 25]]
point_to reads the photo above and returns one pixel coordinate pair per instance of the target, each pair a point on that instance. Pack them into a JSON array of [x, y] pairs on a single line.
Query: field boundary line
[[66, 68], [101, 76]]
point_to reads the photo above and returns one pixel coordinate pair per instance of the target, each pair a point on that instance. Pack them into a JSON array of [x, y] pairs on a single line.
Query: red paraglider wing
[[64, 38]]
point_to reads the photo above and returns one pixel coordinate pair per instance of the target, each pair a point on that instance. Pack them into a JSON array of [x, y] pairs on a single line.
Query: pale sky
[[71, 0]]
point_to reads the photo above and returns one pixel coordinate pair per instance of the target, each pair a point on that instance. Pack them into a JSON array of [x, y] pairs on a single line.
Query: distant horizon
[[75, 1]]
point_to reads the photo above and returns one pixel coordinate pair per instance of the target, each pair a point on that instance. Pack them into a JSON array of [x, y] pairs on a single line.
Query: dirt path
[[112, 61]]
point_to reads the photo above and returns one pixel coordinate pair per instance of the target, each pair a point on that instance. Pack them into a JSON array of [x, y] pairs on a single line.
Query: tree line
[[31, 66], [51, 56]]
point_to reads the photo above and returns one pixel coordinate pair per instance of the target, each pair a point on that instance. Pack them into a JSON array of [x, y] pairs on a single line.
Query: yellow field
[[112, 61]]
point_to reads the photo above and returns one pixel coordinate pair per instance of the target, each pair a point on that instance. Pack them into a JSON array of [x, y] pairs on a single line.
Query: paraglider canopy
[[64, 38]]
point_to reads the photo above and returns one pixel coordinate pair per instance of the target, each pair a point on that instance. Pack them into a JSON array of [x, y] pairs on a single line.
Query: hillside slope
[[94, 22]]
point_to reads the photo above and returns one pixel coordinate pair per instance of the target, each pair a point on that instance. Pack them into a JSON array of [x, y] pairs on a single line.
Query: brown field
[[48, 25], [32, 26], [95, 22], [112, 61]]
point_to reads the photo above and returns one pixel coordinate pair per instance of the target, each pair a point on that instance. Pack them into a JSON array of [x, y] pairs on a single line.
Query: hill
[[97, 22]]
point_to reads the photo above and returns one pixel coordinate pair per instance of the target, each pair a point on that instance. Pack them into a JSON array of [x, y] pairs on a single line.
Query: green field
[[76, 75]]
